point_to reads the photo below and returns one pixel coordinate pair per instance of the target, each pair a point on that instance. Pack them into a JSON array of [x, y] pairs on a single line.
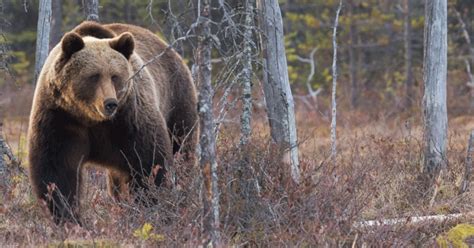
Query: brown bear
[[98, 102]]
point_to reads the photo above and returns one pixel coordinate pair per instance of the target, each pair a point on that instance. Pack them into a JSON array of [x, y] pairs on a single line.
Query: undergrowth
[[374, 177]]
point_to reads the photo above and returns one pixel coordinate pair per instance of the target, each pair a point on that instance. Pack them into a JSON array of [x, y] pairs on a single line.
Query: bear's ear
[[124, 44], [71, 44]]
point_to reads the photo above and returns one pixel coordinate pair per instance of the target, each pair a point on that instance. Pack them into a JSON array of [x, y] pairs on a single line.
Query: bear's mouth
[[106, 114]]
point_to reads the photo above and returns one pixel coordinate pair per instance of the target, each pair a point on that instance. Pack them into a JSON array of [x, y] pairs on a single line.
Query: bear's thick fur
[[95, 103]]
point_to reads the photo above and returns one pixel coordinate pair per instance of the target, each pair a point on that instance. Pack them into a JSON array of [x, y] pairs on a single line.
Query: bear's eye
[[94, 78], [115, 79]]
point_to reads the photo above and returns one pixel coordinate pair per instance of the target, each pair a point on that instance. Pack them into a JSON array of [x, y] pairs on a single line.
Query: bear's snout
[[110, 105]]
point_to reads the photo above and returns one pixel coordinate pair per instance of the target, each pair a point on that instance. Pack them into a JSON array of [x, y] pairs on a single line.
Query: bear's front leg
[[57, 152], [149, 154]]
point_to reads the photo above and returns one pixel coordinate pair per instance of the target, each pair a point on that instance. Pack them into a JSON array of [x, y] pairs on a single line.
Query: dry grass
[[375, 177]]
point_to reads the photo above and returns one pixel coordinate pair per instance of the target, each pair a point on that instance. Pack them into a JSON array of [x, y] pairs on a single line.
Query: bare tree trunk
[[408, 56], [434, 99], [352, 57], [278, 97], [4, 151], [208, 164], [91, 10], [248, 44], [467, 165], [334, 86], [5, 170], [42, 35], [56, 23]]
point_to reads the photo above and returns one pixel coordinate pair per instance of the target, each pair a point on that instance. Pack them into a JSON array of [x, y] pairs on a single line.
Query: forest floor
[[375, 177]]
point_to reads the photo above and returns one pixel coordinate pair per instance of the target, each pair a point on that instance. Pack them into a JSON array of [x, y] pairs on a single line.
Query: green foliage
[[146, 233], [378, 27], [457, 237]]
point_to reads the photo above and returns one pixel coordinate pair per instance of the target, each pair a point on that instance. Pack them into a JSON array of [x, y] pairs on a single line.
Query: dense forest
[[372, 34], [271, 182]]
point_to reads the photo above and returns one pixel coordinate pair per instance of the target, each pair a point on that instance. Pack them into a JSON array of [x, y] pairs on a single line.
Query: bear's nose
[[110, 105]]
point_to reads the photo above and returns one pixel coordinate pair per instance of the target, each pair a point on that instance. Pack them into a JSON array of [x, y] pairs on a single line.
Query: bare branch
[[467, 165], [149, 9]]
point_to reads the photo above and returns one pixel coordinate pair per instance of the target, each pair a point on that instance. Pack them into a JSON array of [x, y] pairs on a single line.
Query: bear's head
[[92, 75]]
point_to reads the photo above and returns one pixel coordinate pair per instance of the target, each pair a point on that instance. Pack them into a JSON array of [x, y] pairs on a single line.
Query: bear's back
[[147, 44]]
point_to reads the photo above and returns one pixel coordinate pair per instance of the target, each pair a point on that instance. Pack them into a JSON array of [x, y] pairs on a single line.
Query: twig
[[467, 165], [467, 38], [169, 47], [149, 9]]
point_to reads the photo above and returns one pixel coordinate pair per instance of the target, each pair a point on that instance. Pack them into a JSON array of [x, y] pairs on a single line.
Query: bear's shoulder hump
[[94, 29]]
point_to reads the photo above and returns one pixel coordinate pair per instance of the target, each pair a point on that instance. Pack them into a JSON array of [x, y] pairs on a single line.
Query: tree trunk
[[408, 56], [434, 99], [248, 44], [352, 57], [56, 23], [42, 35], [334, 86], [208, 164], [91, 10], [276, 84], [4, 175], [5, 170]]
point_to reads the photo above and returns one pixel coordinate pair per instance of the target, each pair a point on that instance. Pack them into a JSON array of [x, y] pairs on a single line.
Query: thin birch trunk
[[91, 10], [208, 164], [467, 165], [408, 56], [434, 99], [278, 97], [42, 35], [465, 34], [248, 44], [334, 86], [470, 51]]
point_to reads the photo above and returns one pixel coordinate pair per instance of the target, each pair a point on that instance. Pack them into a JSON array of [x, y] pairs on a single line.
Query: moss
[[457, 236], [85, 244]]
